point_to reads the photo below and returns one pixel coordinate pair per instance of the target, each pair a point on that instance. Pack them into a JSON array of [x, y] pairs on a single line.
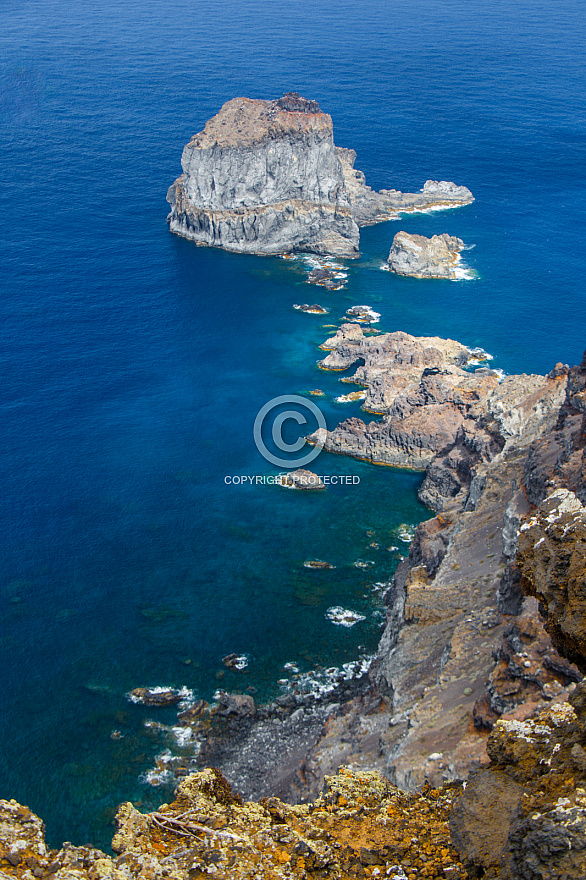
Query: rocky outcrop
[[264, 177], [421, 257], [552, 558], [370, 206], [361, 826], [436, 415], [524, 818]]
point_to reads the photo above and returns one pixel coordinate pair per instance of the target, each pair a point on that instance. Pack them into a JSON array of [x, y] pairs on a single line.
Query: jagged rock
[[264, 177], [240, 705], [525, 816], [359, 822], [314, 309], [369, 206], [552, 559], [421, 257], [157, 696], [436, 415], [529, 671]]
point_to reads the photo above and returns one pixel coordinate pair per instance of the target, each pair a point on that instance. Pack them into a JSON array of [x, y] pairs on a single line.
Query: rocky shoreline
[[462, 647], [467, 682]]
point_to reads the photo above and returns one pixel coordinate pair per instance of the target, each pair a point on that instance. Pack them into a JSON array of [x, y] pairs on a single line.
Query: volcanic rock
[[301, 479], [421, 257], [264, 177]]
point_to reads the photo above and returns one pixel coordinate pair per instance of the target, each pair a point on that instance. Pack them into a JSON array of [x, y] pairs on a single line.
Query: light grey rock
[[265, 177], [421, 257], [262, 178], [370, 206]]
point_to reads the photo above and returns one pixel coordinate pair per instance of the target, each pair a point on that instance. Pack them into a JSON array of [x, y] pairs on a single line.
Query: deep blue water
[[134, 363]]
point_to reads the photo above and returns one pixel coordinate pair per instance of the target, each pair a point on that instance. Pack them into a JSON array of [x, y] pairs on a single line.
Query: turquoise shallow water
[[134, 363]]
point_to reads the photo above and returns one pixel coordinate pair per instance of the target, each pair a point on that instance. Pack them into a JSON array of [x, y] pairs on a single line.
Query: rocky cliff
[[467, 681], [360, 827], [463, 651], [264, 177]]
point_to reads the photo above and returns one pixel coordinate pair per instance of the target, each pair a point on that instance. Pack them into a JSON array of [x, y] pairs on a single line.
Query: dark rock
[[155, 696], [294, 103], [483, 714], [480, 831], [240, 705]]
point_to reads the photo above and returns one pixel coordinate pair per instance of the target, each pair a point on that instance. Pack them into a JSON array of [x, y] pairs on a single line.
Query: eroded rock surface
[[552, 559], [370, 206], [524, 818], [361, 826], [421, 257], [264, 177], [431, 406]]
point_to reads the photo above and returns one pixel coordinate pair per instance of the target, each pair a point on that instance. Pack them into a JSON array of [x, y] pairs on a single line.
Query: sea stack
[[421, 257], [263, 177]]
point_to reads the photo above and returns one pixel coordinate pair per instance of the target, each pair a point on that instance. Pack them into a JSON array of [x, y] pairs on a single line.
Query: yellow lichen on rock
[[361, 827]]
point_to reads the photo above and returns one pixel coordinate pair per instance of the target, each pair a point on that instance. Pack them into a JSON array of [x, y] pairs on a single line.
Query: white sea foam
[[161, 774], [363, 563], [240, 662], [186, 695], [405, 533], [350, 398], [182, 735], [343, 616], [480, 354], [379, 587], [365, 315], [463, 273], [431, 209], [321, 682]]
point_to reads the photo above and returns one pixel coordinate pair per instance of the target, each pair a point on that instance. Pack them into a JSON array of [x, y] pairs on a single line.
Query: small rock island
[[265, 177], [421, 257]]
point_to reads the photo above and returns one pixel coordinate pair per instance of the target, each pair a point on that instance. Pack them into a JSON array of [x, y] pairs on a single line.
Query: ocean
[[134, 363]]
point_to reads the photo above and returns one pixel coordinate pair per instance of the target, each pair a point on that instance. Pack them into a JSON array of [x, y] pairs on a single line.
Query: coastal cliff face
[[264, 177], [463, 651], [466, 683], [360, 827]]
